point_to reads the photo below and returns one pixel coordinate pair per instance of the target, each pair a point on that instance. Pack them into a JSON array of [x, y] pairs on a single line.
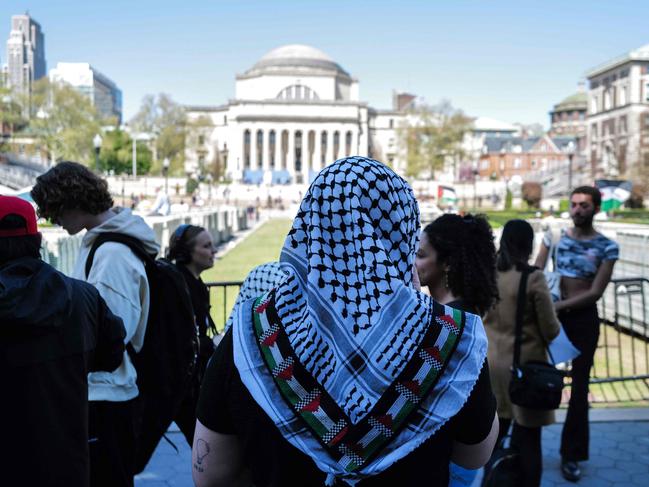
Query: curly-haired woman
[[456, 260]]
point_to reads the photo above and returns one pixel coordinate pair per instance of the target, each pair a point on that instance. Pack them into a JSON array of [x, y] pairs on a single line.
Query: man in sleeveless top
[[585, 260]]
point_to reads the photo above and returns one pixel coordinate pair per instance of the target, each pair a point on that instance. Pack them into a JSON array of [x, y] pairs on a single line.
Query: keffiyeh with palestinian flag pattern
[[354, 366]]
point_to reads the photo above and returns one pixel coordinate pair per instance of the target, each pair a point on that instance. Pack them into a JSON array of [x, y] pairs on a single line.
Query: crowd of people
[[373, 352]]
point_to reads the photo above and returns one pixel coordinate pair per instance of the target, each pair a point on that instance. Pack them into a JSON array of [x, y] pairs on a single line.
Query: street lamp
[[571, 152], [96, 141], [475, 173], [165, 173], [209, 187]]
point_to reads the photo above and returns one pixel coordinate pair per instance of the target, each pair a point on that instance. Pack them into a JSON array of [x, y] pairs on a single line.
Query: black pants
[[112, 443], [528, 443], [582, 327]]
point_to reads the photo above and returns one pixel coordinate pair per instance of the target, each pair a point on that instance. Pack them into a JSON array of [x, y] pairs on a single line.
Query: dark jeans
[[528, 443], [112, 443], [582, 327]]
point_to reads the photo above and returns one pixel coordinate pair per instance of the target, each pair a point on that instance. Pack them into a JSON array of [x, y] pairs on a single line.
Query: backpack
[[166, 363]]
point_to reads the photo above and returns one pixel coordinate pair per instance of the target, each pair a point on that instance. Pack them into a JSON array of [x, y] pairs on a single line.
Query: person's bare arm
[[542, 258], [217, 459], [597, 288], [476, 456]]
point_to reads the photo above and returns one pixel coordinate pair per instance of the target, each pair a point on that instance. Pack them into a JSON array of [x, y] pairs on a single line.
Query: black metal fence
[[620, 372]]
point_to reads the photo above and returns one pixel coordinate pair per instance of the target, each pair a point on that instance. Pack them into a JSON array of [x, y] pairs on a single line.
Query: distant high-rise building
[[25, 53], [102, 92]]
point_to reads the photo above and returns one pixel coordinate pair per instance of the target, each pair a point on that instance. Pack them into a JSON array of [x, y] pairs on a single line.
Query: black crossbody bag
[[534, 384]]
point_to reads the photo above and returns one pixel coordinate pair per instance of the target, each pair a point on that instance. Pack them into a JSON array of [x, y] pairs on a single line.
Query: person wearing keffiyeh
[[342, 371]]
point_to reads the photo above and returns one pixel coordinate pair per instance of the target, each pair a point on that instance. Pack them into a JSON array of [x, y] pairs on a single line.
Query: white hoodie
[[119, 276]]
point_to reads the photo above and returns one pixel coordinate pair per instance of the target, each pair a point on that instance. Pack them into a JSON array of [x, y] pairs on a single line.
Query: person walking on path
[[72, 196], [192, 250], [344, 372], [584, 260], [539, 327], [53, 331]]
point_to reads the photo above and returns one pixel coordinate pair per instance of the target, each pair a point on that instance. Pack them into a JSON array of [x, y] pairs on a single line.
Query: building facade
[[104, 94], [295, 111], [505, 157], [25, 53], [568, 118], [618, 115]]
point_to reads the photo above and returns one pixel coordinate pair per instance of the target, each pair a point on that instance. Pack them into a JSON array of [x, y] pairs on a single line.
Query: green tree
[[163, 117], [433, 136], [11, 118], [63, 120], [116, 154]]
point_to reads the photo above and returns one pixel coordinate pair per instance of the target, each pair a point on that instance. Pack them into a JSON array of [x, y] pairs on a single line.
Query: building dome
[[294, 58], [578, 101]]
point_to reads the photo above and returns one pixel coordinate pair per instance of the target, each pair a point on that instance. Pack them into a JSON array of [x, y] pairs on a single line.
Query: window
[[391, 122], [593, 131], [607, 99], [517, 163], [593, 105], [297, 92], [646, 92], [484, 164], [623, 96], [201, 140], [271, 148]]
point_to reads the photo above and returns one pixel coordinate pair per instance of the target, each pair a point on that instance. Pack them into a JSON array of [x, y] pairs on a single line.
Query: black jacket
[[53, 331]]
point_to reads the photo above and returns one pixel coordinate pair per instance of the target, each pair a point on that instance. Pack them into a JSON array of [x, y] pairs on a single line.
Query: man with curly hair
[[71, 195]]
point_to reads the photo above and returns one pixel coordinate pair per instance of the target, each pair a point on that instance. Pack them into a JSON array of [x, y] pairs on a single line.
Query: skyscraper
[[104, 94], [25, 53]]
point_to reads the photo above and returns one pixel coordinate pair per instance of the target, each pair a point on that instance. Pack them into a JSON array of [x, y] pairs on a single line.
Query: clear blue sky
[[509, 60]]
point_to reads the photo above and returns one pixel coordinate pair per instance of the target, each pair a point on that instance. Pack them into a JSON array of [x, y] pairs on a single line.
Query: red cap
[[11, 205]]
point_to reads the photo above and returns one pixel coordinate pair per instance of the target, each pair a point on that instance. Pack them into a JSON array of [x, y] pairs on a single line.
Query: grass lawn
[[260, 247]]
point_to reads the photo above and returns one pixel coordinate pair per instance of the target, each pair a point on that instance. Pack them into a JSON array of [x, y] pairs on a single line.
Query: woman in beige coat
[[540, 326]]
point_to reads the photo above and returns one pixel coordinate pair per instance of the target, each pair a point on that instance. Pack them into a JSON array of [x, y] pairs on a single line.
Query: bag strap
[[131, 242], [520, 310]]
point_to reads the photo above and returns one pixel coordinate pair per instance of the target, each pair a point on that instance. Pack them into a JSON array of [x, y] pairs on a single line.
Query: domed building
[[568, 118], [295, 111]]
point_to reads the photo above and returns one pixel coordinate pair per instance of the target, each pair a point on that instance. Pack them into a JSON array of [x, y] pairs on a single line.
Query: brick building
[[504, 157]]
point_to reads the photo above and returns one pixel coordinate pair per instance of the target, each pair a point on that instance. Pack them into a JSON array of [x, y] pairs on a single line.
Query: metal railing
[[620, 372]]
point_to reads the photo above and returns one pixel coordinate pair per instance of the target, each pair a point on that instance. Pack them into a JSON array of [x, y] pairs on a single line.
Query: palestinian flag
[[614, 193], [446, 196]]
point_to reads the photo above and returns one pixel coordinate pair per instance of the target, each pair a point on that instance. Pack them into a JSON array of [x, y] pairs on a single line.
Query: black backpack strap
[[131, 242], [520, 310]]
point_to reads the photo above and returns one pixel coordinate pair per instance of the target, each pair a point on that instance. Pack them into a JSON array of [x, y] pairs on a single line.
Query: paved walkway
[[619, 455]]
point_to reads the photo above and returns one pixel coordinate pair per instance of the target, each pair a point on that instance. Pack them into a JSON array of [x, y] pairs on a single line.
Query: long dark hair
[[466, 245], [516, 245]]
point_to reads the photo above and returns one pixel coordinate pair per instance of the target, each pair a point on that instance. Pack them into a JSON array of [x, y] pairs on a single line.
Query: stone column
[[330, 147], [265, 154], [253, 149], [290, 157], [278, 149], [317, 151]]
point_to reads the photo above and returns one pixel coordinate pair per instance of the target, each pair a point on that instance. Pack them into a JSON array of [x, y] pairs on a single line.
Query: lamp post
[[475, 173], [209, 187], [165, 173], [96, 141], [571, 153], [134, 147]]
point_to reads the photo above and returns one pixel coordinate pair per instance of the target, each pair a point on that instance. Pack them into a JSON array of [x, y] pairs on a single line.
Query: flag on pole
[[614, 193]]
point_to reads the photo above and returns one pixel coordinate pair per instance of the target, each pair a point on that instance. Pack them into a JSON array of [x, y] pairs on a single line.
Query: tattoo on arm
[[202, 450]]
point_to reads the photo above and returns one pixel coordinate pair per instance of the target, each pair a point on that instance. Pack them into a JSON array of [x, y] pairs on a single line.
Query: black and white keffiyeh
[[355, 367]]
